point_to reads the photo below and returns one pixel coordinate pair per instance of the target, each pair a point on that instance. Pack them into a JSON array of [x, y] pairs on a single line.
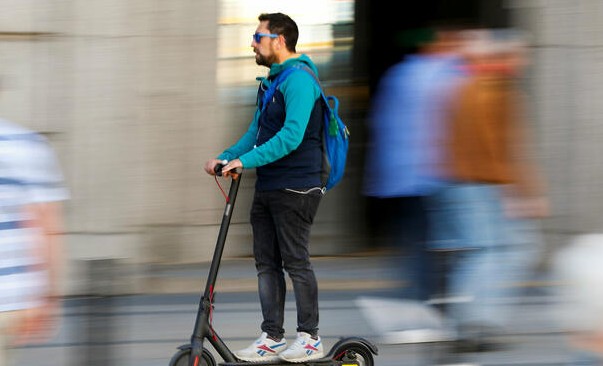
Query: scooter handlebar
[[218, 169]]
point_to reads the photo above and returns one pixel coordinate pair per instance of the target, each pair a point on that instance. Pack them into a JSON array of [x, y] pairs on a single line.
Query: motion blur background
[[136, 95]]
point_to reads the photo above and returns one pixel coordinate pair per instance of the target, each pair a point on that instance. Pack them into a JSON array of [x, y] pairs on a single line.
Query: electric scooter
[[351, 351]]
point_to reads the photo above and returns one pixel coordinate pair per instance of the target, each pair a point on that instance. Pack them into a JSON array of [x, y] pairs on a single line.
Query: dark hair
[[279, 23]]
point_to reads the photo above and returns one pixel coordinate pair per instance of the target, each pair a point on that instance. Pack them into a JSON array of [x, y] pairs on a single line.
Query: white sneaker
[[263, 349], [305, 348]]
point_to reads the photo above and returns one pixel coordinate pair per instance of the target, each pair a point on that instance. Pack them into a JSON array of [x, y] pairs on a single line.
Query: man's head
[[275, 38]]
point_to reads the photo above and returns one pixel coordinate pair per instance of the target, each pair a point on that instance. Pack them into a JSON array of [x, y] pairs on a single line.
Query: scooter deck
[[319, 362]]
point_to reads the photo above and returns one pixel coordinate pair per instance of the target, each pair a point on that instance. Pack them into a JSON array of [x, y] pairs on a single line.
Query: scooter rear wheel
[[181, 358], [356, 352]]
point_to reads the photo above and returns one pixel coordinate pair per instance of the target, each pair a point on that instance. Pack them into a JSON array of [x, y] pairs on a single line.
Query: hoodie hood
[[277, 68]]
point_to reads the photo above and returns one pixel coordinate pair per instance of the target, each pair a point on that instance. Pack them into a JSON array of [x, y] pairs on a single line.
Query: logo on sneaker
[[263, 349], [310, 349]]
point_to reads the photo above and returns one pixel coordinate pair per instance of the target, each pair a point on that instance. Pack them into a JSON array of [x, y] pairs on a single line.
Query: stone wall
[[565, 82], [125, 91]]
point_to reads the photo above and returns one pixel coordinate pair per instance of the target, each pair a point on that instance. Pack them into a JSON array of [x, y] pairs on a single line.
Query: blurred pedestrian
[[484, 215], [31, 189], [284, 143], [406, 121]]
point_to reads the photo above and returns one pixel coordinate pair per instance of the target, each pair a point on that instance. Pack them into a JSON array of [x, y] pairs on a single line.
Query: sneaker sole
[[259, 359], [304, 359]]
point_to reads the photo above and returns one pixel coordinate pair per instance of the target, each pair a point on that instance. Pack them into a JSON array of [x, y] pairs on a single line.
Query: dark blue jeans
[[281, 222], [402, 223]]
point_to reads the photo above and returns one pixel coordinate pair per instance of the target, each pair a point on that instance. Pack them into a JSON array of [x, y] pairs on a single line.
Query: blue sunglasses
[[257, 37]]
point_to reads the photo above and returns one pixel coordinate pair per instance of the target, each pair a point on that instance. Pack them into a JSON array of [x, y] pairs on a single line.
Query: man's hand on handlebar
[[223, 167], [211, 165], [232, 169]]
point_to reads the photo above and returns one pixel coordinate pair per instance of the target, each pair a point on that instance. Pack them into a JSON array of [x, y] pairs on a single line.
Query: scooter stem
[[219, 250], [202, 328]]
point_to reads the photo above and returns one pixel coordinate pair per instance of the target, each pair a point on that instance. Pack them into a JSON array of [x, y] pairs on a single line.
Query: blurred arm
[[47, 218]]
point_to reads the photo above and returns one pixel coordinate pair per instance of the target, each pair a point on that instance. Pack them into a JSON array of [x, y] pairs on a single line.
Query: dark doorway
[[383, 29], [384, 34]]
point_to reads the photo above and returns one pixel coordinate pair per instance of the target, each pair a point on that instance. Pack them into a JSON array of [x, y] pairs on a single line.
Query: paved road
[[144, 330]]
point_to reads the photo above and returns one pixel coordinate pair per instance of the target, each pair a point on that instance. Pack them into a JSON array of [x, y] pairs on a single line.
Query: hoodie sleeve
[[300, 92], [245, 143]]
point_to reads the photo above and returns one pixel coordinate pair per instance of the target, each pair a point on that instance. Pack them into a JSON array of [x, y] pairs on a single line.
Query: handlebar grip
[[218, 169]]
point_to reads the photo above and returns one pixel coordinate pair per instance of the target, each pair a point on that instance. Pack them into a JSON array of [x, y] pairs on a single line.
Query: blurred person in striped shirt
[[31, 191]]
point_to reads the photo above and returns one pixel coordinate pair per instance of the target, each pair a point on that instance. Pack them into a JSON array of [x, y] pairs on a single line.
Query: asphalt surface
[[145, 329]]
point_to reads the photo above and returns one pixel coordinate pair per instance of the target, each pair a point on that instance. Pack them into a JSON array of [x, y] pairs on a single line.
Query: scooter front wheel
[[354, 352], [182, 357]]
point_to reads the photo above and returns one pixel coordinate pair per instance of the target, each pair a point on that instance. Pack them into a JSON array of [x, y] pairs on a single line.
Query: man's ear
[[281, 41]]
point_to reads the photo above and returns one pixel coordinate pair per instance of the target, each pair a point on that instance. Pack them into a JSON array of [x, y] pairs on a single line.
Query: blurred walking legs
[[489, 253]]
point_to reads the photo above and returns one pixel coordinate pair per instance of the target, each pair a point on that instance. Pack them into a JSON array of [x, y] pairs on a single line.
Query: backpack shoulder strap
[[326, 99], [269, 93], [331, 103], [306, 68]]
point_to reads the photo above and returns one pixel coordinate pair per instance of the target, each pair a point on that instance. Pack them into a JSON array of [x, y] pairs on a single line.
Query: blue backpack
[[335, 137]]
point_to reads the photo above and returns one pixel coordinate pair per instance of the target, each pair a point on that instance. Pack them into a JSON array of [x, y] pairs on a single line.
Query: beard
[[262, 60]]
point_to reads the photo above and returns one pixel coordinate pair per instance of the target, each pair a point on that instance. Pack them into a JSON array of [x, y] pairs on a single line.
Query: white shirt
[[29, 173]]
